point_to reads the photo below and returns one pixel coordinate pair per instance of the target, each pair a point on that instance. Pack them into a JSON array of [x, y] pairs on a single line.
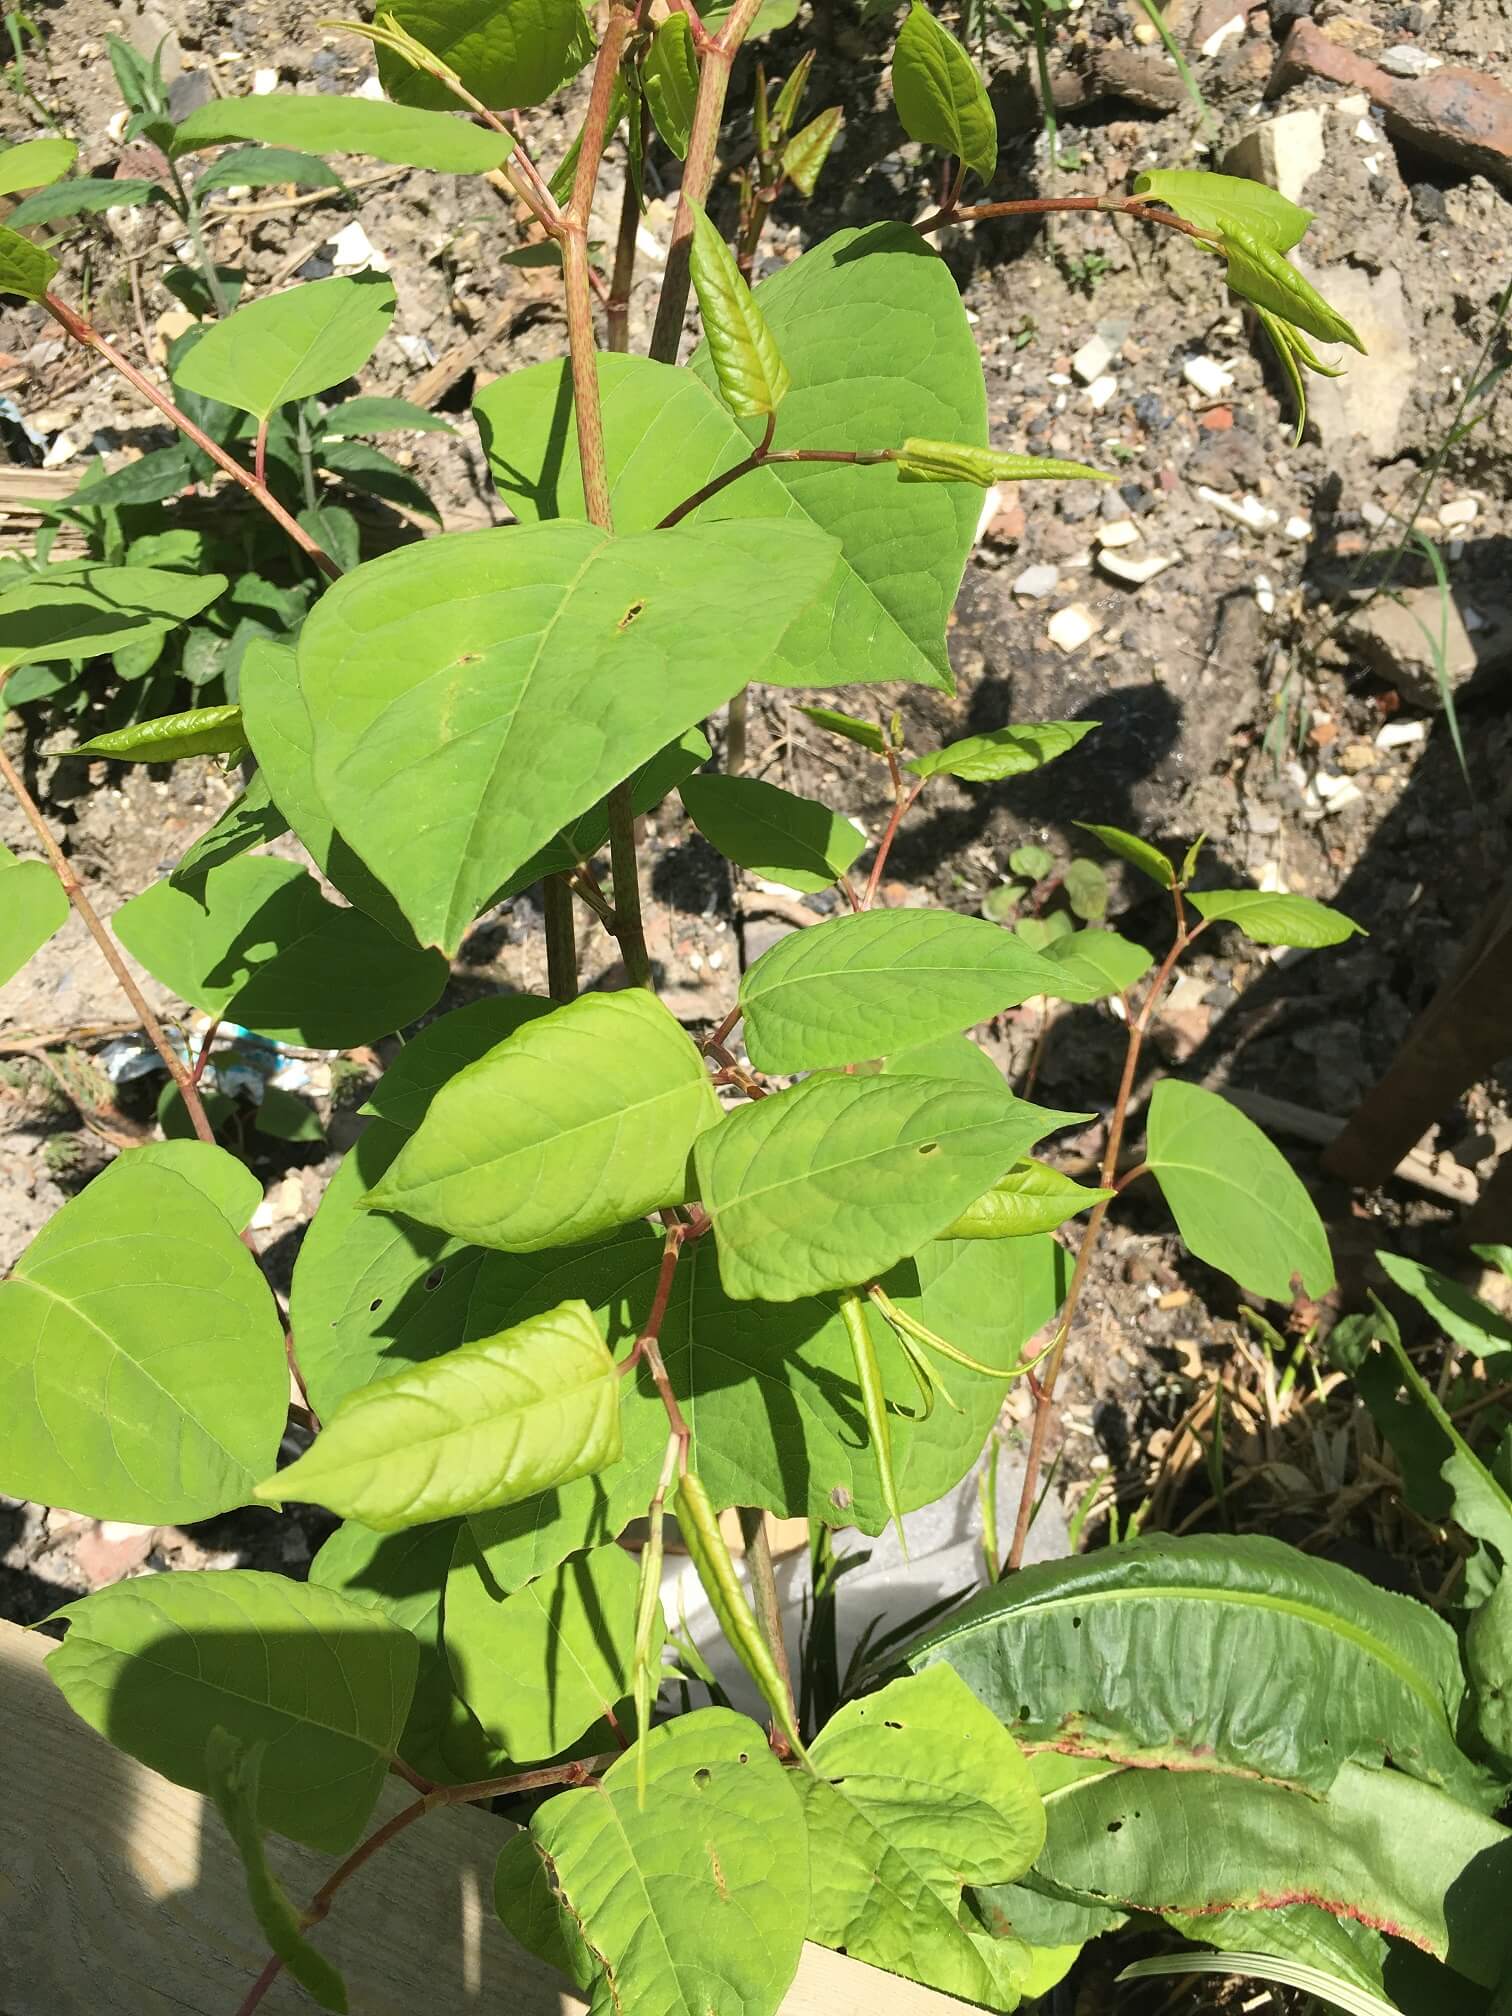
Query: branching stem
[[1038, 206], [762, 457]]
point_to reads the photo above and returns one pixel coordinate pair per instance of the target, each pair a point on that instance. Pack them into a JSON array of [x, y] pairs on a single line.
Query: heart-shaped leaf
[[290, 345]]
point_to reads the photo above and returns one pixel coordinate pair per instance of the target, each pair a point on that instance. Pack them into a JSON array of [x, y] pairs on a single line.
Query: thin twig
[[1038, 206], [561, 940]]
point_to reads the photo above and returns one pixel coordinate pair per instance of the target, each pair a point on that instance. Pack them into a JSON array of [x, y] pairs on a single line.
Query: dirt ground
[[1245, 690]]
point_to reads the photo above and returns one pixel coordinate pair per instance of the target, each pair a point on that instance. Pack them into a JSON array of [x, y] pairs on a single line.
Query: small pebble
[[1401, 734], [1247, 510], [1407, 60], [1101, 390], [1093, 359], [1297, 528], [1459, 511], [1135, 573], [1071, 627], [1208, 376], [1036, 582], [1121, 532]]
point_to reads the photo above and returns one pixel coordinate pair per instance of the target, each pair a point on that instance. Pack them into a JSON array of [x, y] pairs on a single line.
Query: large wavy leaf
[[1232, 1654]]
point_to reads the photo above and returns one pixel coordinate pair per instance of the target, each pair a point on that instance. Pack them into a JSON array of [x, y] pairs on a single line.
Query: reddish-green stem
[[561, 940], [764, 1603], [762, 457], [82, 331], [1039, 206]]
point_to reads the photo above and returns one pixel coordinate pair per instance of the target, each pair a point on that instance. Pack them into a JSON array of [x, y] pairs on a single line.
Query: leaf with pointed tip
[[940, 96], [473, 694], [770, 831], [1269, 918], [577, 1124], [507, 52], [482, 1426], [25, 269], [32, 164], [541, 1666], [33, 905], [80, 610], [201, 731], [1002, 752], [1237, 1202], [262, 946], [861, 986], [250, 820], [694, 1901], [372, 415], [1032, 1197], [234, 1770], [872, 331], [1216, 202], [84, 196], [266, 168], [837, 1179], [867, 733], [290, 345], [156, 1663], [1260, 274], [669, 76], [444, 1047], [804, 156], [1138, 853], [1089, 965], [919, 1791], [748, 366], [228, 1183], [327, 123], [956, 462], [141, 1359]]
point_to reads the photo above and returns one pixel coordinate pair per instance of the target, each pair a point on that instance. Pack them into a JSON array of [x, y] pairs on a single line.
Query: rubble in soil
[[1216, 609]]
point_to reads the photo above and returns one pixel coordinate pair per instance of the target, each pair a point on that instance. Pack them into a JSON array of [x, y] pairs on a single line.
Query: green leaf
[[1086, 889], [526, 1906], [541, 1666], [372, 415], [472, 694], [955, 462], [1031, 861], [752, 378], [266, 167], [1271, 919], [81, 610], [328, 124], [804, 156], [1138, 853], [940, 96], [228, 1183], [203, 731], [858, 987], [576, 1124], [1378, 1846], [289, 345], [363, 467], [32, 164], [770, 831], [157, 1663], [33, 905], [1470, 1322], [142, 1367], [835, 1180], [85, 196], [1259, 273], [479, 1427], [234, 1772], [920, 1790], [770, 16], [1092, 964], [278, 727], [1237, 1202], [262, 946], [1002, 752], [848, 728], [694, 1901], [1488, 1663], [1032, 1197], [1219, 202], [507, 52], [402, 1576], [1231, 1654], [871, 328], [669, 77], [250, 820], [403, 1094]]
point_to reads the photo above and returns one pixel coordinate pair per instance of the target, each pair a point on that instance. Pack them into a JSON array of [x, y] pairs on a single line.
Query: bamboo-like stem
[[177, 1069], [1039, 206], [561, 940], [586, 406], [1044, 1402], [718, 58], [763, 1580], [617, 315], [84, 332]]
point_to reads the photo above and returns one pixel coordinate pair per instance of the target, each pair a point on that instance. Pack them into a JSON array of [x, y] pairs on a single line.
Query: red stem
[[902, 804], [1038, 206]]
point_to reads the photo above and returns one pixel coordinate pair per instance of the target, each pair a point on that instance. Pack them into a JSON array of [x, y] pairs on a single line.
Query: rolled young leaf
[[479, 1427], [747, 363], [867, 733], [958, 462], [669, 77], [1138, 853], [804, 156], [1259, 273], [939, 94], [203, 731], [770, 831], [1032, 1197]]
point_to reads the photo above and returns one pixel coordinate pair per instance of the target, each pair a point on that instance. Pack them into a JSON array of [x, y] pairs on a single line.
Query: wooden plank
[[120, 1895]]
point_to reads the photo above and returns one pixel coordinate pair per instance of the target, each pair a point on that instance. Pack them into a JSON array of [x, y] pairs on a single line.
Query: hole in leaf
[[630, 615], [929, 1147], [702, 1777], [375, 1304], [1114, 1825], [892, 1725], [435, 1277], [840, 1498], [1076, 1623], [744, 1758], [468, 657]]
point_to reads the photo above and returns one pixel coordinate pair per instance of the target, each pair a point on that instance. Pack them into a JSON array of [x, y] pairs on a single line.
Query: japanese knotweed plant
[[585, 1269]]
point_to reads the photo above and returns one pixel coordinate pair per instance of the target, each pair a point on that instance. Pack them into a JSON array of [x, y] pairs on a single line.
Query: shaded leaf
[[770, 831], [1272, 919], [85, 196], [250, 820], [1001, 752], [867, 733], [80, 610], [1092, 964], [266, 167], [1472, 1323], [363, 467], [1138, 853], [669, 77], [372, 415]]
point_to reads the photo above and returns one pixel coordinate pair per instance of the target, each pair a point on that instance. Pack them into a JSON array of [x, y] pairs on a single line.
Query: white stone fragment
[[63, 449], [1247, 511], [1093, 359], [264, 81], [1037, 582], [1101, 390], [369, 87], [1265, 595], [990, 506], [1401, 734], [1459, 511], [1120, 532], [1372, 164], [1298, 528], [352, 251], [1234, 26], [1373, 515], [1405, 59], [1071, 627], [1366, 132], [1207, 376], [1135, 573]]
